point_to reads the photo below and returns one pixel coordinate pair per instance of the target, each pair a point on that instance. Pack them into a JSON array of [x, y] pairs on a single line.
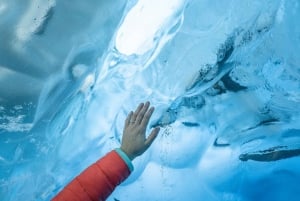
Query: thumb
[[152, 137]]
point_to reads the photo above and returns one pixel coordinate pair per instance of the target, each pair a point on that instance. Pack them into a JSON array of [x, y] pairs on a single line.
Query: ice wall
[[224, 77]]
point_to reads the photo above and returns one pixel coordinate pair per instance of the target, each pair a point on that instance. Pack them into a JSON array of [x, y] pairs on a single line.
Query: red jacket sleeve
[[98, 181]]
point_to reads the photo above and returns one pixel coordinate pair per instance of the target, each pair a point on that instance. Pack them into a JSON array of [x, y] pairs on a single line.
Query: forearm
[[98, 181]]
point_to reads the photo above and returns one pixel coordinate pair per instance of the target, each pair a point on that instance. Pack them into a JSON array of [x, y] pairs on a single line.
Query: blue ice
[[224, 76]]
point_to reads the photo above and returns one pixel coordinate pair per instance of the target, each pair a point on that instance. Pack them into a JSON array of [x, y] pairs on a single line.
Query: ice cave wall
[[223, 75]]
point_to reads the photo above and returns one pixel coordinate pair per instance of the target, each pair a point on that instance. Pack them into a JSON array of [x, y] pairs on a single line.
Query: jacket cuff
[[126, 159]]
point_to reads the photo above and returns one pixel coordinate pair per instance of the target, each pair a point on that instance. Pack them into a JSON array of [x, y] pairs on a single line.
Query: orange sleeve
[[98, 181]]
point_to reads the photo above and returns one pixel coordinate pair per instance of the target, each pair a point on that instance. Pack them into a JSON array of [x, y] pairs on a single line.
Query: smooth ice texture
[[224, 76]]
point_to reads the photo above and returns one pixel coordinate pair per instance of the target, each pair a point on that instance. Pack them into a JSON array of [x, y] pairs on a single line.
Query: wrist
[[130, 156], [125, 157]]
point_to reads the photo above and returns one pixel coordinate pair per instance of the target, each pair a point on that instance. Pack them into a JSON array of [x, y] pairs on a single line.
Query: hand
[[134, 142]]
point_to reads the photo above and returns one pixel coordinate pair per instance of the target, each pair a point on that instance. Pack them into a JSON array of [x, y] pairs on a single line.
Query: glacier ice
[[224, 77]]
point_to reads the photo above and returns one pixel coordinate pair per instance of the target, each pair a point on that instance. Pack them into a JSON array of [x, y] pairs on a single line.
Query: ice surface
[[223, 75]]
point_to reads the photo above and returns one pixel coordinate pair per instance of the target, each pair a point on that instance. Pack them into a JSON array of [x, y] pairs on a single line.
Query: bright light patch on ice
[[139, 29]]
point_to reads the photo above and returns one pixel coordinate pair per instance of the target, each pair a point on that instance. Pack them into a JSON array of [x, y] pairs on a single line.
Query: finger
[[138, 109], [147, 117], [142, 113], [152, 137], [128, 119]]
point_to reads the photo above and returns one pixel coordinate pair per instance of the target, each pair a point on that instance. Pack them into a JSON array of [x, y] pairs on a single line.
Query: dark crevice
[[272, 154], [219, 144], [266, 122], [231, 85], [190, 124]]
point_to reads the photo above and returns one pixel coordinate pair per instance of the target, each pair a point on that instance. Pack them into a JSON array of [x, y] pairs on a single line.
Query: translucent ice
[[224, 76]]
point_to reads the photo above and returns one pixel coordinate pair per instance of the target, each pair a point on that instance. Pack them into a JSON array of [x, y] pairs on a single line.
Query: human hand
[[134, 141]]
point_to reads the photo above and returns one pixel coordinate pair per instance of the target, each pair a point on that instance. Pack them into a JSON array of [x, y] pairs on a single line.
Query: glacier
[[224, 76]]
